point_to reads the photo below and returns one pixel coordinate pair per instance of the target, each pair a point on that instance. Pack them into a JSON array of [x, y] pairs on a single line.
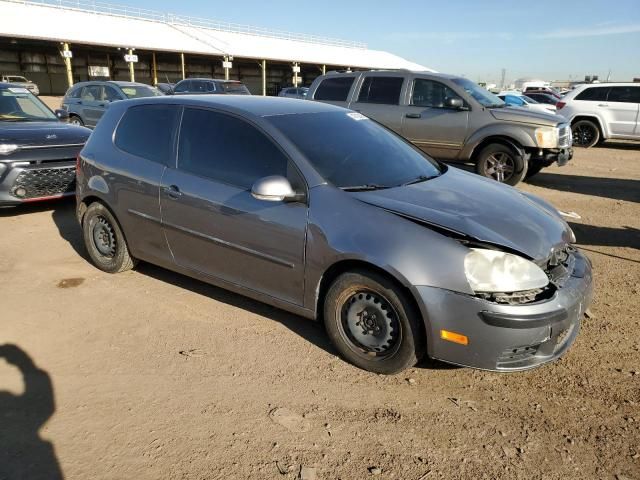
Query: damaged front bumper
[[504, 337]]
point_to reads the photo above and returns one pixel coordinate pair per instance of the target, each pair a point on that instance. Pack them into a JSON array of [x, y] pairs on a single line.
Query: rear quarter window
[[383, 90], [334, 89], [598, 94], [147, 131]]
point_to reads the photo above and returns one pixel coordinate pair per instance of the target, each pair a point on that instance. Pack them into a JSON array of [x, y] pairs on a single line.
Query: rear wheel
[[501, 163], [372, 323], [585, 133], [104, 240]]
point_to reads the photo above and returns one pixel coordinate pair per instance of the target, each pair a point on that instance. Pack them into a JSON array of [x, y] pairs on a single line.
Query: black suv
[[195, 86]]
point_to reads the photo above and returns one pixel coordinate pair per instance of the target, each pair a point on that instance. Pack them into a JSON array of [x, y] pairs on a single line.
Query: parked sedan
[[294, 92], [166, 88], [86, 102], [21, 82], [38, 149], [516, 99], [321, 211], [203, 86], [544, 98]]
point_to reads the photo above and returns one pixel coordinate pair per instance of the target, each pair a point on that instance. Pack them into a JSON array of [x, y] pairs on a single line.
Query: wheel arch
[[499, 139], [84, 204], [592, 118]]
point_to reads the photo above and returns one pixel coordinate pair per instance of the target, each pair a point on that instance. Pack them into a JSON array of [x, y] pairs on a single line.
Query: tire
[[502, 163], [104, 240], [533, 169], [398, 341], [585, 133], [76, 120]]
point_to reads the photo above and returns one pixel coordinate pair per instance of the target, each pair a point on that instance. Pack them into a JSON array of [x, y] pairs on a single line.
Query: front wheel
[[501, 163], [372, 323], [105, 241], [585, 133]]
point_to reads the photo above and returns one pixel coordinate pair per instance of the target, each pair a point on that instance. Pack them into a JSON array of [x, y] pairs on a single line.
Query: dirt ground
[[154, 375]]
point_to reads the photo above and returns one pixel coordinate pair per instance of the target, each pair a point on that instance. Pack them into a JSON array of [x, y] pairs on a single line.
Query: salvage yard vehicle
[[294, 92], [21, 81], [325, 213], [453, 119], [203, 86], [603, 111], [86, 102], [37, 150], [517, 99]]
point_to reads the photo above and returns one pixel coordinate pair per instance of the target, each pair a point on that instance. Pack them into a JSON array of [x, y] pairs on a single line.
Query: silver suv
[[453, 119]]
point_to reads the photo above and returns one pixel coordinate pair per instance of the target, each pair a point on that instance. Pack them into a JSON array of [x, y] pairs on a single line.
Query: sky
[[552, 40]]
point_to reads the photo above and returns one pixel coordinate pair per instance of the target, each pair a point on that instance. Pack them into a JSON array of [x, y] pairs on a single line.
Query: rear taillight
[[559, 105]]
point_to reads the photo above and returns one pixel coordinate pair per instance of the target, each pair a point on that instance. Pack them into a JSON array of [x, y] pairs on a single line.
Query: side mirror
[[62, 114], [274, 189], [454, 103]]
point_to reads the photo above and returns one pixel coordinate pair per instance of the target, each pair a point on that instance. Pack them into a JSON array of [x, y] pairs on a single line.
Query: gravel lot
[[155, 375]]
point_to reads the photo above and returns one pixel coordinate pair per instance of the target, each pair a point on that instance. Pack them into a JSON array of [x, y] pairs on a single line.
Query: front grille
[[564, 136], [45, 182], [516, 355]]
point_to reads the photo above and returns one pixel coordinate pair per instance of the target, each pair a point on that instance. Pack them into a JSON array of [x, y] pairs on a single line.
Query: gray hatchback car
[[86, 102], [320, 211]]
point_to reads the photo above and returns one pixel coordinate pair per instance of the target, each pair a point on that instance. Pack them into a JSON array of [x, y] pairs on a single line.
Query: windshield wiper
[[367, 186], [421, 178]]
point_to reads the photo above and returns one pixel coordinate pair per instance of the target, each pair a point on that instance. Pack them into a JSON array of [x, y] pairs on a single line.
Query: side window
[[147, 131], [226, 149], [110, 94], [625, 94], [182, 86], [91, 93], [513, 100], [428, 93], [384, 90], [598, 94], [75, 93], [211, 87], [335, 89]]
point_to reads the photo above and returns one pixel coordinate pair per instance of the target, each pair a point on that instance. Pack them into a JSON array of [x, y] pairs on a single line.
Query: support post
[[264, 78], [182, 65], [154, 66], [324, 69], [296, 70], [225, 64], [132, 74], [67, 63]]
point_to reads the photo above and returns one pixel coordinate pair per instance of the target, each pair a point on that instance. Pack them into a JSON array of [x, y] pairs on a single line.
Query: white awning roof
[[119, 26]]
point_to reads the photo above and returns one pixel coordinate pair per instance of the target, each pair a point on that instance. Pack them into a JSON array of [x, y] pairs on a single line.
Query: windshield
[[349, 150], [19, 105], [139, 91], [482, 96], [235, 88]]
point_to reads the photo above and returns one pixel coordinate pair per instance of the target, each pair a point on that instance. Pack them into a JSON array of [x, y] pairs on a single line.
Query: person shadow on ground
[[23, 454]]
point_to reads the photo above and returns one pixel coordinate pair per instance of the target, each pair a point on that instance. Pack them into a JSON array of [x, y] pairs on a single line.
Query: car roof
[[5, 85], [247, 105], [119, 83], [222, 80], [445, 76]]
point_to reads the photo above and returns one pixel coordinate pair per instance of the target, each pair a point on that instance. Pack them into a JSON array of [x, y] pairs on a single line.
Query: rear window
[[235, 88], [385, 90], [139, 91], [334, 89], [594, 94], [147, 131]]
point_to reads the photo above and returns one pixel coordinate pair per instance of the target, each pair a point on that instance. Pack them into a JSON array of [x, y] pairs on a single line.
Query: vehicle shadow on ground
[[23, 454], [614, 188], [620, 145]]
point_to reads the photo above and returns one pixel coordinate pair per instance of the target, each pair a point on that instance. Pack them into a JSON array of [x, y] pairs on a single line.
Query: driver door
[[428, 124], [214, 225]]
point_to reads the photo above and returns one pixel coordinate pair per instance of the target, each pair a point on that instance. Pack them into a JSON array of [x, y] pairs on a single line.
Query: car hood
[[27, 134], [482, 209], [521, 115]]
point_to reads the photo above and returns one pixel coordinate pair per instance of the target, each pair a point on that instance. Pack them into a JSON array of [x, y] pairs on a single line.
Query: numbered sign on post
[[226, 64], [67, 54], [131, 58]]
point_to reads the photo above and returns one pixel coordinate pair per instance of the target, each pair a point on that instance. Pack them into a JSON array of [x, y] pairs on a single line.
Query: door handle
[[172, 191], [603, 104], [413, 115]]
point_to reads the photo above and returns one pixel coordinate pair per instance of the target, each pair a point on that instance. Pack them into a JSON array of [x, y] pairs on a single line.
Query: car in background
[[38, 149], [548, 90], [517, 99], [86, 102], [22, 82], [602, 111], [452, 119], [294, 92], [545, 98], [165, 88], [210, 86], [323, 212]]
